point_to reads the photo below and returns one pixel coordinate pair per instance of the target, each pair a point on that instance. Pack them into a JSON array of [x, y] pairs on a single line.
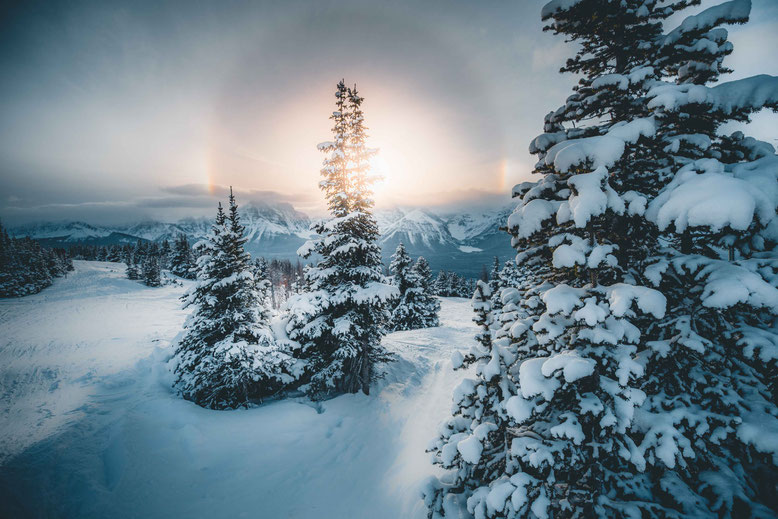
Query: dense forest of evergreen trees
[[26, 267]]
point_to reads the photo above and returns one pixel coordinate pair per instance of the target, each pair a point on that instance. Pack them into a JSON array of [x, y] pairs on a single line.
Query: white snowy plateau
[[90, 428]]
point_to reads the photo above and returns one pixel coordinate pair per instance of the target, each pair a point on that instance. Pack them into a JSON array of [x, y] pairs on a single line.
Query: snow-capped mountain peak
[[413, 227]]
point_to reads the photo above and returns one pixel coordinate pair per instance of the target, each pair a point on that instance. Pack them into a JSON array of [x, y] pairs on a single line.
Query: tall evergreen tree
[[640, 377], [711, 369], [262, 282], [494, 276], [571, 348], [401, 268], [439, 285], [422, 269], [340, 319], [496, 284], [228, 356]]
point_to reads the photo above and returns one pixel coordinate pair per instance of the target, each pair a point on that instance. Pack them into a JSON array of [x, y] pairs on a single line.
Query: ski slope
[[90, 428]]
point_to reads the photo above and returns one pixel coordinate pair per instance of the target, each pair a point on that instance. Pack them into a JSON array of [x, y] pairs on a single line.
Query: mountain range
[[463, 242]]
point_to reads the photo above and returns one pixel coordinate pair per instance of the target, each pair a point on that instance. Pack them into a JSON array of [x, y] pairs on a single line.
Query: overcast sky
[[114, 112]]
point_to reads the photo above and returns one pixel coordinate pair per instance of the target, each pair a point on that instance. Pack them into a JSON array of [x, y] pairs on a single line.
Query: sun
[[380, 169]]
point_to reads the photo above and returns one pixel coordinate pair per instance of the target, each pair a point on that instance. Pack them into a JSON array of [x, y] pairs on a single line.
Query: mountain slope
[[462, 242]]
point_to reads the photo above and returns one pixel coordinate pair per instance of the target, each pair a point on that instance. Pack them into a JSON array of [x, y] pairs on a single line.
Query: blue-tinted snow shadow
[[139, 450]]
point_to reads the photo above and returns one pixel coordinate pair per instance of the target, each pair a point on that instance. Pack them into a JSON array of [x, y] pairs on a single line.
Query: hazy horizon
[[481, 203]]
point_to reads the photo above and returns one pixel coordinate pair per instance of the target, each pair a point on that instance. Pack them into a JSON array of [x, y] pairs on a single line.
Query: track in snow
[[90, 428]]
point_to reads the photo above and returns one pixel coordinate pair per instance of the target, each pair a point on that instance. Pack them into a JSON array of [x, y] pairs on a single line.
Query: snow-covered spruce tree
[[494, 275], [133, 270], [710, 405], [150, 271], [405, 315], [472, 444], [340, 319], [511, 275], [181, 263], [440, 285], [432, 304], [415, 308], [262, 282], [422, 269], [228, 356], [576, 346], [496, 285]]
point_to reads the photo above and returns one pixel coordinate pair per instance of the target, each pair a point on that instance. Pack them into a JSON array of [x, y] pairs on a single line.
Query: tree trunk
[[364, 375]]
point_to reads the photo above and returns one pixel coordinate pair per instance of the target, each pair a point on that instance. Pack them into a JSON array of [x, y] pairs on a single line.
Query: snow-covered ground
[[90, 428]]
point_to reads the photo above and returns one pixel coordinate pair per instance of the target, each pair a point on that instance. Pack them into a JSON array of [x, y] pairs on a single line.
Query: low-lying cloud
[[172, 204]]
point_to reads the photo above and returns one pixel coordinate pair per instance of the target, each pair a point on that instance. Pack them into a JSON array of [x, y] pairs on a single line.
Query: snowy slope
[[90, 427], [58, 345]]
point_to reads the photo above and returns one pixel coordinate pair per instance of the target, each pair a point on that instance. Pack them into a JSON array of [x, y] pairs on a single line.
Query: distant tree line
[[26, 267], [451, 284], [145, 260]]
